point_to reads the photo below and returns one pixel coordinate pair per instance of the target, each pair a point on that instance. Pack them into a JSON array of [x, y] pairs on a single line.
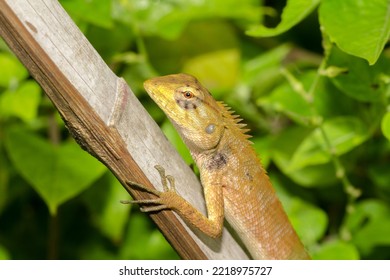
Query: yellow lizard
[[235, 184]]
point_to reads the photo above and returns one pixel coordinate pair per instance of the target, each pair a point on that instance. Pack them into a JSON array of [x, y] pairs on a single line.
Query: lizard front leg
[[169, 199]]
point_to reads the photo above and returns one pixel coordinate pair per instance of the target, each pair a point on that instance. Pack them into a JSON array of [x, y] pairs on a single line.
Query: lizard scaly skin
[[235, 184]]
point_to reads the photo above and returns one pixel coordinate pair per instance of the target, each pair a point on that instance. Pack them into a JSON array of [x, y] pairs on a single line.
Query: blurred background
[[318, 113]]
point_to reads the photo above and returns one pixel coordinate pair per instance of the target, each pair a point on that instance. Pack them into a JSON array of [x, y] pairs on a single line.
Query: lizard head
[[190, 107]]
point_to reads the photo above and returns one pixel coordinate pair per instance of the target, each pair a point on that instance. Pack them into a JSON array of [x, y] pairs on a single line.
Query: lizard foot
[[164, 198]]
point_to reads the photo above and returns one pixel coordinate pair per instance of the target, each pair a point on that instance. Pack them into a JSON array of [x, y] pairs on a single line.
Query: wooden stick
[[104, 116]]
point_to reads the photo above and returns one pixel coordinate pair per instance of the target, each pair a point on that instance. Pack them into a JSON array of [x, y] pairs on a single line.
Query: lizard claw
[[165, 179], [143, 188], [168, 183]]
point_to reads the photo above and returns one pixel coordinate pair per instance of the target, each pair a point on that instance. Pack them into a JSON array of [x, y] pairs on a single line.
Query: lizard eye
[[188, 94]]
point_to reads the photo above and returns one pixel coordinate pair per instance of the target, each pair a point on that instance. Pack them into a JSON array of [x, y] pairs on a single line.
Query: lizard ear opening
[[210, 128]]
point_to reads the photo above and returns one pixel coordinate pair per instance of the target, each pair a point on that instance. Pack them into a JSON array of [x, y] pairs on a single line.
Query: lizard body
[[235, 184]]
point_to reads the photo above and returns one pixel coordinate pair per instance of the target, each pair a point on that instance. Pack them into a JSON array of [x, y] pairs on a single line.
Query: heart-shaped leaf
[[57, 173]]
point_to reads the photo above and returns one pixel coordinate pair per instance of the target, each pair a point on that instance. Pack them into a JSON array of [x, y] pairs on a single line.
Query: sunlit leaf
[[343, 134], [283, 149], [22, 102], [293, 13], [262, 147], [301, 213], [286, 100], [168, 19], [174, 137], [93, 11], [386, 125], [336, 250], [207, 68], [360, 28], [11, 70], [369, 225], [260, 74], [212, 38]]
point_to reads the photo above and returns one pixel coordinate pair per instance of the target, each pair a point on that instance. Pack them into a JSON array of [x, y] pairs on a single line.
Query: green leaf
[[57, 173], [293, 13], [94, 11], [301, 214], [22, 102], [113, 44], [316, 176], [385, 125], [344, 134], [286, 100], [143, 242], [262, 147], [260, 74], [375, 233], [245, 10], [149, 16], [366, 209], [168, 19], [110, 208], [11, 70], [175, 139], [4, 254], [327, 95], [256, 67], [336, 250], [5, 175], [379, 174], [207, 68], [95, 249], [361, 81], [368, 225], [211, 37], [360, 28], [283, 149]]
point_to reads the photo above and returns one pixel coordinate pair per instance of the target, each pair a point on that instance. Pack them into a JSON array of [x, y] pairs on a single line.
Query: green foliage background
[[311, 78]]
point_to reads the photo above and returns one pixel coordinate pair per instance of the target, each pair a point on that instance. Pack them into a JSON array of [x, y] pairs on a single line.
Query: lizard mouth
[[154, 93], [157, 91]]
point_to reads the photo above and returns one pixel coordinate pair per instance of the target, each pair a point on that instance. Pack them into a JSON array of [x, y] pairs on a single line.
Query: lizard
[[235, 185]]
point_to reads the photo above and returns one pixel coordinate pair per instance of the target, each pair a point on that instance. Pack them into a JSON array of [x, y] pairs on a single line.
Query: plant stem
[[53, 232], [352, 192]]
